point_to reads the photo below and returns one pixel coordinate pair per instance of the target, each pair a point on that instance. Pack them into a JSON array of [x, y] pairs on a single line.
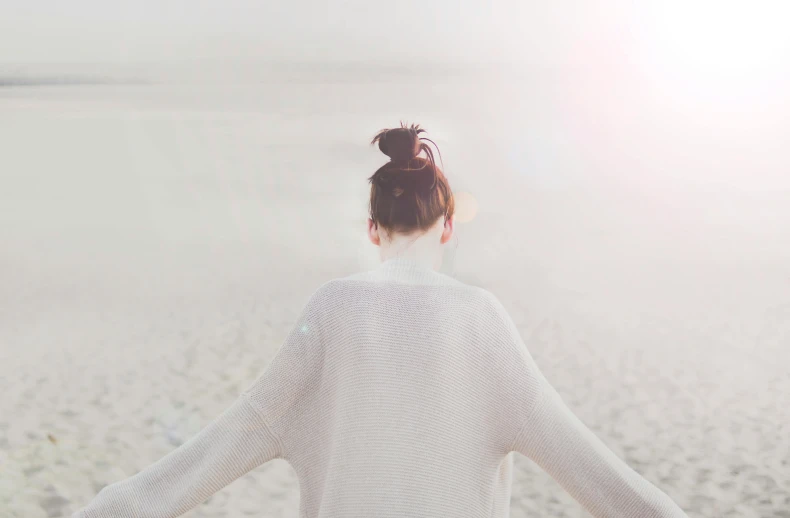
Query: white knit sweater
[[399, 392]]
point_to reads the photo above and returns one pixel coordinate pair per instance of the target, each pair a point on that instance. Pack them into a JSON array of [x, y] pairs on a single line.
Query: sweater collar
[[407, 270]]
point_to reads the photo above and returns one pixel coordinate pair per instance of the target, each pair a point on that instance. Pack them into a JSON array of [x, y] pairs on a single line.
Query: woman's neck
[[424, 249]]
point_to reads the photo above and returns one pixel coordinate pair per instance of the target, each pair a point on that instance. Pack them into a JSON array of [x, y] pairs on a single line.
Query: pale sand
[[158, 244]]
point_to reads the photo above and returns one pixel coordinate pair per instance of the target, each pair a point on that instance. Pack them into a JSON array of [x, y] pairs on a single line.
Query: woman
[[400, 391]]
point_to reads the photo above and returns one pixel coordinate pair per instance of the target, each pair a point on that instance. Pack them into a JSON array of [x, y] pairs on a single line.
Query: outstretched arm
[[546, 431], [560, 443], [252, 431], [236, 442]]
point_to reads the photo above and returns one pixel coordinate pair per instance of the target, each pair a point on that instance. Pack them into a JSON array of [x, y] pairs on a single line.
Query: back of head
[[409, 193]]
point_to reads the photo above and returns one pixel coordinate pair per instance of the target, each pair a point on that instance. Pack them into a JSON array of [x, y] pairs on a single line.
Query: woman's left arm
[[253, 430], [236, 442]]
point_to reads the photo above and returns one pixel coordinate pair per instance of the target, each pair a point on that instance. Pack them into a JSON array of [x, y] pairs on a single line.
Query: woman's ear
[[449, 228], [373, 232]]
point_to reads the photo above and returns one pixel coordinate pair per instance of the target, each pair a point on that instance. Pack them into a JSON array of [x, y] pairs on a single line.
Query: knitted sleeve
[[560, 443], [564, 447], [287, 391], [237, 441], [234, 443]]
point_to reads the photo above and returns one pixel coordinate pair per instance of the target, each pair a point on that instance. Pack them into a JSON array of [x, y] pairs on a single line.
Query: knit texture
[[399, 392]]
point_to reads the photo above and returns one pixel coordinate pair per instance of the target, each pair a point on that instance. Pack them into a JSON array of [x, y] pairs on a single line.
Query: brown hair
[[408, 193]]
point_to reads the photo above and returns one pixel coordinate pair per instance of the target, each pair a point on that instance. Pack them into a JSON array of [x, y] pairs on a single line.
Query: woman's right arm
[[560, 443]]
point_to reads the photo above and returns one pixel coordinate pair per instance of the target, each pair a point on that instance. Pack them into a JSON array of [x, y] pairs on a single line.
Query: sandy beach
[[159, 240]]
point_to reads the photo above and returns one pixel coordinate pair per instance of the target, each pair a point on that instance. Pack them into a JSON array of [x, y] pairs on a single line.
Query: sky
[[734, 35], [85, 31]]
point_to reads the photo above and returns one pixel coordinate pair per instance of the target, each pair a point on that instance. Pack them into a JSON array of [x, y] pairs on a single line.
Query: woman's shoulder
[[471, 300]]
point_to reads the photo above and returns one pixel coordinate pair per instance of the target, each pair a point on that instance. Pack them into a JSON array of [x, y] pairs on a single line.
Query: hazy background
[[92, 31], [176, 178]]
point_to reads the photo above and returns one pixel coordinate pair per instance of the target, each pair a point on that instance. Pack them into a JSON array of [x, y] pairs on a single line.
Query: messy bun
[[409, 192], [399, 143]]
